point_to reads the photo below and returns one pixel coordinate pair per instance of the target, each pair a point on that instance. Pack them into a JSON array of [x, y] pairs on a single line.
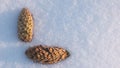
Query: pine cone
[[25, 25], [46, 55]]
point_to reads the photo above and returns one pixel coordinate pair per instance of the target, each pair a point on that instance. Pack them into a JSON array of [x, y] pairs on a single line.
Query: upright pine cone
[[46, 55], [25, 25]]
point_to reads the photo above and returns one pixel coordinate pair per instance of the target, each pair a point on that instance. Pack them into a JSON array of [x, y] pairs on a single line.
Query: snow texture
[[88, 29]]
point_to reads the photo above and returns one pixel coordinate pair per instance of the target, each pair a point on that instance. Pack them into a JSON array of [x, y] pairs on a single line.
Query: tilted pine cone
[[46, 55], [25, 25]]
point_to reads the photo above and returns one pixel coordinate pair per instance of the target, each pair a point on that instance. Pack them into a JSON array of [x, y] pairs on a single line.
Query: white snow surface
[[88, 29]]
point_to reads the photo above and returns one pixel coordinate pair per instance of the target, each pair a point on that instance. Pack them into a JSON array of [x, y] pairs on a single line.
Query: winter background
[[88, 29]]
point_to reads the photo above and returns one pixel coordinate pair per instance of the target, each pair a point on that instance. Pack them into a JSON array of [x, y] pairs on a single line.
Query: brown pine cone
[[25, 25], [46, 55]]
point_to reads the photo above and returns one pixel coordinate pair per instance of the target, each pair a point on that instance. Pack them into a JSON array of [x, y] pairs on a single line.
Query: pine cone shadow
[[8, 25]]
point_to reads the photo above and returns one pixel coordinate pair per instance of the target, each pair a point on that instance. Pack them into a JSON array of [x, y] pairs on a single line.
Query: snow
[[88, 29]]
